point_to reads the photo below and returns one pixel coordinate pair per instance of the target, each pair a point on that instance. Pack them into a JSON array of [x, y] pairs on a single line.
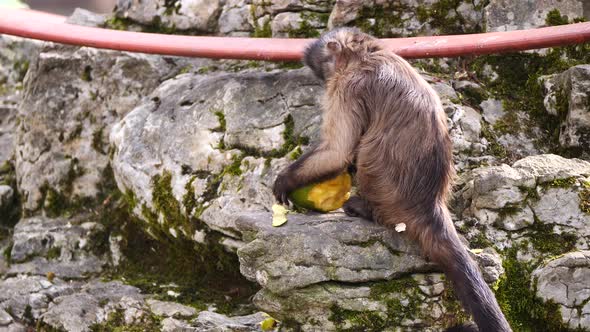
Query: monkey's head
[[336, 48]]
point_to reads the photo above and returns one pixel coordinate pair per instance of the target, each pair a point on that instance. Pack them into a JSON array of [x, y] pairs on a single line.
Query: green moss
[[560, 183], [494, 147], [202, 274], [60, 201], [21, 67], [509, 123], [97, 142], [480, 241], [117, 23], [155, 26], [53, 253], [473, 96], [546, 241], [531, 193], [291, 141], [305, 28], [584, 196], [519, 89], [403, 300], [356, 321], [186, 69], [221, 118], [167, 206], [296, 153], [116, 323], [516, 295], [130, 199], [443, 15], [189, 200], [87, 74], [6, 253], [554, 18], [508, 210], [290, 65], [263, 31], [172, 7], [381, 20]]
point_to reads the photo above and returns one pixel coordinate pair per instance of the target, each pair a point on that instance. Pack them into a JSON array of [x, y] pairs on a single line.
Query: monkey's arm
[[341, 131]]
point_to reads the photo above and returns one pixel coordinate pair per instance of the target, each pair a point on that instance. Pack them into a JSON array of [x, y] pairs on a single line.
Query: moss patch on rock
[[116, 323], [518, 86], [516, 295]]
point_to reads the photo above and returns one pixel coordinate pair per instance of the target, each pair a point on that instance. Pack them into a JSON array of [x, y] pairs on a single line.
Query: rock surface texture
[[135, 190]]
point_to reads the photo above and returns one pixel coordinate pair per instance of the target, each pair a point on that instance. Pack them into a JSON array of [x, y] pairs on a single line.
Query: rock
[[322, 248], [15, 56], [279, 6], [334, 306], [465, 129], [288, 24], [92, 304], [87, 18], [73, 96], [493, 110], [18, 293], [184, 15], [392, 18], [568, 96], [501, 15], [234, 19], [490, 264], [546, 189], [218, 120], [170, 309], [175, 325], [565, 281], [6, 195], [211, 321], [5, 318], [62, 246]]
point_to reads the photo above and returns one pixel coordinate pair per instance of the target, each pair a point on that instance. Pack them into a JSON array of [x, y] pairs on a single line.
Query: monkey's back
[[404, 158]]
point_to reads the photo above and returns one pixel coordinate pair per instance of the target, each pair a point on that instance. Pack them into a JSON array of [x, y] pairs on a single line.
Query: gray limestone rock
[[492, 109], [212, 322], [92, 304], [565, 281], [217, 120], [15, 57], [546, 189], [311, 249], [87, 18], [6, 196], [62, 246], [407, 17], [72, 98], [505, 15], [192, 15], [170, 309], [568, 96]]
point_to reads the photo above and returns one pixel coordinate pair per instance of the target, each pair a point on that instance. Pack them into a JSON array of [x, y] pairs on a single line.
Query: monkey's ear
[[334, 47]]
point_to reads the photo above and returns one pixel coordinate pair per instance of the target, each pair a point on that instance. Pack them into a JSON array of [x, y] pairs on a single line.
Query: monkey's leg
[[357, 206]]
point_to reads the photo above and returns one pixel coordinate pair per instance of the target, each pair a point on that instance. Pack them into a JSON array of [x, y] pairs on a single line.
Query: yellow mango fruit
[[324, 196]]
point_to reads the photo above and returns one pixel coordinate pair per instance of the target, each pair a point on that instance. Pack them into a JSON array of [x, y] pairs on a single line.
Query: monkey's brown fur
[[378, 111]]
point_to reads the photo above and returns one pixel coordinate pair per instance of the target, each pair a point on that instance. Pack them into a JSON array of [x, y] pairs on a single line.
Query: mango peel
[[324, 196]]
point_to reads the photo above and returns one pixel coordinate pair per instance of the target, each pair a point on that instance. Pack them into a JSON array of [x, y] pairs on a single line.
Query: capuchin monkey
[[379, 112]]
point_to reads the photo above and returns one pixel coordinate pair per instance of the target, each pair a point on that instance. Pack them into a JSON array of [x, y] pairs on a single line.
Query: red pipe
[[39, 25]]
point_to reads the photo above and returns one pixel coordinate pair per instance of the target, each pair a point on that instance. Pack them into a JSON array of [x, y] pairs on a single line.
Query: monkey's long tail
[[440, 242]]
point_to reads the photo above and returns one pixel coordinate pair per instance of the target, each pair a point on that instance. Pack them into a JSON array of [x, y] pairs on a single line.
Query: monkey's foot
[[355, 206]]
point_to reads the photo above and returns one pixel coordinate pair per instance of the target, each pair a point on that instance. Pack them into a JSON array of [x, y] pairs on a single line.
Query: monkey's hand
[[282, 187]]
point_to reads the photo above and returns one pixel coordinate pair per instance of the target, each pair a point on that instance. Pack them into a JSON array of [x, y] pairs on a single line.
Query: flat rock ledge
[[331, 271]]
